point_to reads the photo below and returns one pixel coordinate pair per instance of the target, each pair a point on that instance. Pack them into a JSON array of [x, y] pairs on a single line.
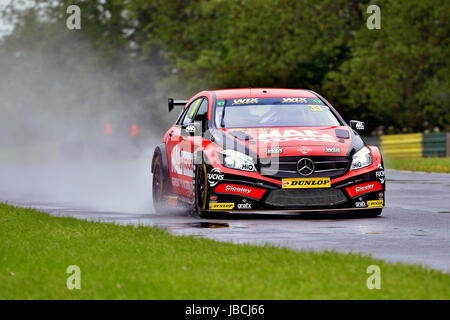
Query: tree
[[398, 75]]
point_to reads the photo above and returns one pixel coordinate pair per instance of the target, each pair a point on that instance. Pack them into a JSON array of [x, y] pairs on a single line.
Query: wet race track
[[413, 228]]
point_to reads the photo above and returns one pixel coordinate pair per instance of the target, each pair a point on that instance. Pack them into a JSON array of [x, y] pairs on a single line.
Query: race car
[[265, 151]]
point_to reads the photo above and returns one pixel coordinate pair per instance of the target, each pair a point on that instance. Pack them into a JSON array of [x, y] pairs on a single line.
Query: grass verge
[[127, 262], [419, 164]]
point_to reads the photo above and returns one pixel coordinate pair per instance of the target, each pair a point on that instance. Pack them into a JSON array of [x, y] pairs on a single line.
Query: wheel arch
[[161, 152], [376, 153]]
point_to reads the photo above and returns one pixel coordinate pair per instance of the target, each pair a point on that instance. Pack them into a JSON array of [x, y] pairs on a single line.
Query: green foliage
[[399, 74], [396, 76], [261, 43], [128, 262], [419, 164]]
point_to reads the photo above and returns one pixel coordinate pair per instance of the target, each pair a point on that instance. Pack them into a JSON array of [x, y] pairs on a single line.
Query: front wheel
[[200, 189], [372, 212]]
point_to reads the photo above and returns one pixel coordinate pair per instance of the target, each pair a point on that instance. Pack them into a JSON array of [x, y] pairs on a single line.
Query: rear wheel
[[159, 187]]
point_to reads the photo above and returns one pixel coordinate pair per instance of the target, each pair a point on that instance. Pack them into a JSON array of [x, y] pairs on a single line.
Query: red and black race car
[[266, 151]]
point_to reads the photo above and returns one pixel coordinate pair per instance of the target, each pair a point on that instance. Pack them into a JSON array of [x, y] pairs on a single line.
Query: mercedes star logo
[[305, 166]]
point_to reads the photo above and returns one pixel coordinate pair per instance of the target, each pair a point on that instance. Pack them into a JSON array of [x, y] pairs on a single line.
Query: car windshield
[[273, 112]]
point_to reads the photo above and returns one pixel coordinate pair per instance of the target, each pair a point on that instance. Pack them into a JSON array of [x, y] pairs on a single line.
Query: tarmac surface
[[414, 227]]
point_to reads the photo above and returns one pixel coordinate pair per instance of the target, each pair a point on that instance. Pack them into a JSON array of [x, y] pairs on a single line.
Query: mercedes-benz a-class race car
[[266, 151]]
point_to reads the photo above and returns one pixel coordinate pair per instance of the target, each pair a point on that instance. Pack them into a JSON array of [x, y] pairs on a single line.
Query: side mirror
[[357, 125], [192, 129]]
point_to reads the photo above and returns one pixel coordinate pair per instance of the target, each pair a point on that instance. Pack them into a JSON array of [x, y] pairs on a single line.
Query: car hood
[[294, 141]]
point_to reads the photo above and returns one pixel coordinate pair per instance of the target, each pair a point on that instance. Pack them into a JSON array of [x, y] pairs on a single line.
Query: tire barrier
[[434, 144], [412, 145]]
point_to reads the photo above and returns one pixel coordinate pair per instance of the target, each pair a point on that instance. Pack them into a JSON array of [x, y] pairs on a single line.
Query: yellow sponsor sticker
[[375, 203], [315, 107], [306, 183], [221, 206]]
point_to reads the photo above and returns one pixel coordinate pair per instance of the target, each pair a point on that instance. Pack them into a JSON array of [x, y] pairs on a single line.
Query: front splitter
[[292, 211]]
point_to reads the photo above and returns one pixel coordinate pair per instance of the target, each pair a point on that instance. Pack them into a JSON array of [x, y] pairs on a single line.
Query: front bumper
[[238, 193]]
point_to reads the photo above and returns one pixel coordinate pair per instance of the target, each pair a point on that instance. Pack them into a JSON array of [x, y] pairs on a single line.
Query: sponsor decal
[[190, 129], [380, 173], [213, 197], [244, 205], [354, 191], [214, 176], [294, 100], [332, 150], [221, 103], [360, 126], [182, 162], [306, 183], [380, 195], [360, 204], [315, 107], [304, 150], [275, 151], [295, 135], [221, 206], [365, 188], [375, 203], [234, 189], [180, 183], [245, 101], [250, 192]]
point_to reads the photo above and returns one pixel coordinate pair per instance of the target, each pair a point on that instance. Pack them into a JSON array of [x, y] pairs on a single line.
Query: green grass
[[419, 164], [127, 262]]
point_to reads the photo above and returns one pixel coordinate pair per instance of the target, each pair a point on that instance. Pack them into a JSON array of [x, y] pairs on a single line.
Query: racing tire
[[200, 190], [372, 213], [159, 187]]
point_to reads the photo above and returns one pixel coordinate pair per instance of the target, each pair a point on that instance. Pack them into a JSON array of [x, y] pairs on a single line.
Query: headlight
[[237, 160], [361, 159]]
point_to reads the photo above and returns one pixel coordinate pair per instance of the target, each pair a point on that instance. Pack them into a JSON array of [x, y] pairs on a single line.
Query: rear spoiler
[[173, 103]]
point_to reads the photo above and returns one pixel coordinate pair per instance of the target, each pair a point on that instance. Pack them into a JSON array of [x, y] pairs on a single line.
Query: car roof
[[263, 93]]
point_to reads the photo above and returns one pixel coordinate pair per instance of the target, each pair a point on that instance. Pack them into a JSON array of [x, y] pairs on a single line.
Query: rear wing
[[173, 103]]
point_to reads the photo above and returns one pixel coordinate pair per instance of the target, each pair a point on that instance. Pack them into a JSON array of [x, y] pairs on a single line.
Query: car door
[[192, 141], [173, 140], [177, 142]]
